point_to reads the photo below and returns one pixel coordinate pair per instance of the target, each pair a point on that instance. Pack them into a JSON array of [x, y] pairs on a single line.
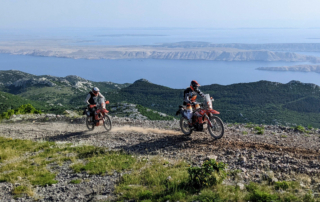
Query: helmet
[[95, 90], [194, 85]]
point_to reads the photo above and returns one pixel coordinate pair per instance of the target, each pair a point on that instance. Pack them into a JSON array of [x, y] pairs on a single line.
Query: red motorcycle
[[100, 116], [203, 114]]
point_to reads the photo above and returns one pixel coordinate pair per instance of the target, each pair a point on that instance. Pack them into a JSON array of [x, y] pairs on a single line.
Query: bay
[[171, 73]]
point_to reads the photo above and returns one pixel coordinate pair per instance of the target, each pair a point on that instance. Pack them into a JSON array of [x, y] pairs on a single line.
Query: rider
[[92, 99], [190, 96]]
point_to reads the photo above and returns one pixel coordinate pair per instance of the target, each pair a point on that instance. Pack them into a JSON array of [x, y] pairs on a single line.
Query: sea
[[171, 73]]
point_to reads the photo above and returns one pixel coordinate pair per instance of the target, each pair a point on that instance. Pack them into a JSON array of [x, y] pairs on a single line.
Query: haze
[[165, 13]]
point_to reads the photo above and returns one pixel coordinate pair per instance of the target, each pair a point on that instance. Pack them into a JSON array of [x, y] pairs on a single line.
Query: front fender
[[212, 111]]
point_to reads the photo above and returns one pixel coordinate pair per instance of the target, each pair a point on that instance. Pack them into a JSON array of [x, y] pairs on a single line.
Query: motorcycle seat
[[182, 106]]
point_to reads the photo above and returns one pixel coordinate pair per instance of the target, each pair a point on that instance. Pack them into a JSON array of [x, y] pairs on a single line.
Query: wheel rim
[[217, 128], [90, 124], [107, 123], [185, 126]]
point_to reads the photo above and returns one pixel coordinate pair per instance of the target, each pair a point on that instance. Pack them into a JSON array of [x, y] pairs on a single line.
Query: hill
[[55, 92], [260, 102]]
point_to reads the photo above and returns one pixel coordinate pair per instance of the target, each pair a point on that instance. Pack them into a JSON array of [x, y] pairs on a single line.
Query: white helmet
[[95, 90]]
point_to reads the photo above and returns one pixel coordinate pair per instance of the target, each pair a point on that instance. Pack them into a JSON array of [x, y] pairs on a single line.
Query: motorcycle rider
[[92, 99], [190, 96]]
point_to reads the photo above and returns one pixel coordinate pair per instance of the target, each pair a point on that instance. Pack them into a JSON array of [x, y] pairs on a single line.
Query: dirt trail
[[130, 129]]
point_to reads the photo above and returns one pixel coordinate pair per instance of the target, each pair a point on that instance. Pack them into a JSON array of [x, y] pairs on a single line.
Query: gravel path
[[282, 150]]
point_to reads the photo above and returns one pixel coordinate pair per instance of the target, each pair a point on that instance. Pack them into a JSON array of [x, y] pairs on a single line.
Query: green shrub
[[308, 197], [23, 109], [27, 109], [282, 185], [261, 196], [210, 173], [145, 194], [290, 198], [300, 129], [251, 187], [259, 130]]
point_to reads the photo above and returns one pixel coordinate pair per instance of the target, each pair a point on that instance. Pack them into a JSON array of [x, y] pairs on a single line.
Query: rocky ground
[[281, 153]]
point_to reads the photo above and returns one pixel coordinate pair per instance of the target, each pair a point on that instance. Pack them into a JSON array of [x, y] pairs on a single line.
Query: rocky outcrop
[[31, 82]]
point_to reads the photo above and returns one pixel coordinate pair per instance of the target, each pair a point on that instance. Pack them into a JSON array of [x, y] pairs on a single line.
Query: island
[[174, 51], [295, 68]]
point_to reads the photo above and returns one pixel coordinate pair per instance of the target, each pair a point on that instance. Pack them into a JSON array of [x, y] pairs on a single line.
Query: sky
[[16, 14]]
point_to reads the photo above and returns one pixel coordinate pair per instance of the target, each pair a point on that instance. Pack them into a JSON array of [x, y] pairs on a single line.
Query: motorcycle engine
[[198, 126], [198, 123]]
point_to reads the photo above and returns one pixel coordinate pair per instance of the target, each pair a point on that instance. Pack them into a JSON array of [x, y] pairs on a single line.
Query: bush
[[145, 194], [282, 185], [23, 109], [261, 196], [260, 130], [210, 173], [300, 129]]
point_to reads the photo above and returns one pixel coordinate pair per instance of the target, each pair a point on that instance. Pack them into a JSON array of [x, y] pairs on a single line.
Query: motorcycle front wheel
[[217, 129], [90, 123], [184, 125], [107, 123]]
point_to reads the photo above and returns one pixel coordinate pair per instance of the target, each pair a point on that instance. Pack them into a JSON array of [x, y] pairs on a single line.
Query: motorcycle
[[203, 115], [100, 117]]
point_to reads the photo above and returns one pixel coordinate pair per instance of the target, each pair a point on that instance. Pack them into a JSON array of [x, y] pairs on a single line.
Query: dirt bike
[[203, 114], [100, 116]]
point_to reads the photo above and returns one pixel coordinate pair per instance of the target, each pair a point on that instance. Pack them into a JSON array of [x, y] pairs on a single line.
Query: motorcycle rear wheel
[[107, 123], [184, 125], [217, 129], [89, 123]]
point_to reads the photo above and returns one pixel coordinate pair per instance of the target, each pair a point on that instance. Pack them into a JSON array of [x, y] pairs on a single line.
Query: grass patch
[[13, 148], [244, 133], [108, 162], [77, 181], [19, 191], [25, 162], [249, 125], [174, 182], [283, 136]]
